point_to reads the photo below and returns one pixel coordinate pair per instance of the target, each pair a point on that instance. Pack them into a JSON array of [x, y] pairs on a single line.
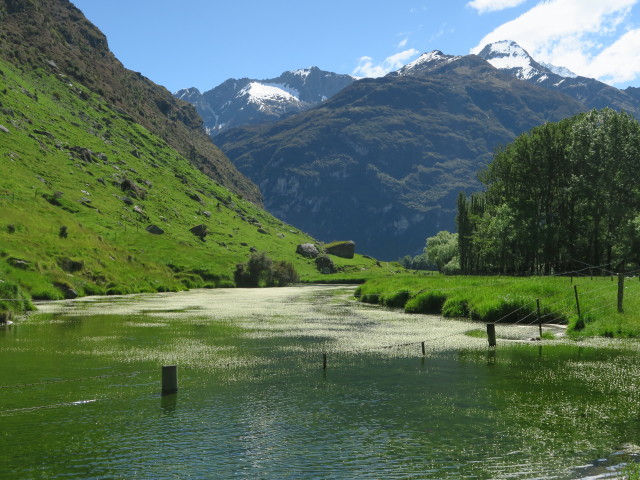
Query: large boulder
[[156, 230], [308, 250], [341, 249], [200, 231]]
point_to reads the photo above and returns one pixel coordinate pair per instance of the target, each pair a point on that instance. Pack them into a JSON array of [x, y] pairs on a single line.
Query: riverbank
[[587, 305]]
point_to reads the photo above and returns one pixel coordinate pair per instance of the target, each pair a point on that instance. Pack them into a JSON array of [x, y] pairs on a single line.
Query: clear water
[[81, 396]]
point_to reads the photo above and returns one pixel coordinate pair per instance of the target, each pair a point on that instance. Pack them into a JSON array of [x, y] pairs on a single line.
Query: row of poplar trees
[[559, 197]]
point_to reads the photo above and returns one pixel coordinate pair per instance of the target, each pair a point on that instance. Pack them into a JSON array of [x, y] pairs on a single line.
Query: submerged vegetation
[[511, 300]]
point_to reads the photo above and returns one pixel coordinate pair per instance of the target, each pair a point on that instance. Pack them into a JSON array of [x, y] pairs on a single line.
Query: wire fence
[[555, 310]]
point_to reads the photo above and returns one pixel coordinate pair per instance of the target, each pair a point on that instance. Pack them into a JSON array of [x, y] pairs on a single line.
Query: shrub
[[370, 298], [426, 302], [6, 316], [396, 300], [47, 293], [283, 273], [455, 307], [17, 302], [260, 270], [116, 290], [91, 289]]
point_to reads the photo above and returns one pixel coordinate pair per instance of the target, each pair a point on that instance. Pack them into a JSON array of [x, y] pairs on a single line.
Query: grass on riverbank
[[513, 300]]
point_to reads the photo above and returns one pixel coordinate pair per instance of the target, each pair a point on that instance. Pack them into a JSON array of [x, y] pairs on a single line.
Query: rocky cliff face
[[244, 101], [54, 35]]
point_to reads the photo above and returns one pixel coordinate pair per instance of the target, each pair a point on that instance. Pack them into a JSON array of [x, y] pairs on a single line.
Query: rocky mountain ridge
[[247, 101], [382, 161]]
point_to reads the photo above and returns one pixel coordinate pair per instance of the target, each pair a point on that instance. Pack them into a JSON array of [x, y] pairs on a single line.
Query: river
[[80, 392]]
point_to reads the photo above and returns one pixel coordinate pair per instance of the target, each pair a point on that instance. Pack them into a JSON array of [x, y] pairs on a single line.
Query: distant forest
[[560, 196]]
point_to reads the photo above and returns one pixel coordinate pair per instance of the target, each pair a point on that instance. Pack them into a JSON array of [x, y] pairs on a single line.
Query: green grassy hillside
[[81, 184]]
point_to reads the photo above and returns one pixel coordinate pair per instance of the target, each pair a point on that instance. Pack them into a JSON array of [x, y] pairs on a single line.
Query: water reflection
[[168, 403], [256, 402]]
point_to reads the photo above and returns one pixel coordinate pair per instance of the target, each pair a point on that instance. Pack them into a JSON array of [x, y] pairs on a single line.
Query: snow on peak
[[261, 92], [433, 58], [508, 55], [303, 72], [562, 71]]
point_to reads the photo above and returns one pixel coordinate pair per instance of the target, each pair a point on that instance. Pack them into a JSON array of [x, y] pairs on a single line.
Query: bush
[[91, 289], [116, 290], [426, 302], [455, 307], [6, 316], [47, 293], [396, 300], [260, 270], [284, 273], [370, 298]]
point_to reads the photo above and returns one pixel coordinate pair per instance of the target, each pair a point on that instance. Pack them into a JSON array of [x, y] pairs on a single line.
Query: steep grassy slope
[[55, 35], [81, 184]]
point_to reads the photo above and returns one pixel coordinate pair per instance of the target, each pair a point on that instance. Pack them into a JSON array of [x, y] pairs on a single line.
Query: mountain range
[[382, 161], [247, 101]]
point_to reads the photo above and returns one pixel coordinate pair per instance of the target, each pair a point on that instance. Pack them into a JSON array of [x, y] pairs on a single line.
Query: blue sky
[[201, 43]]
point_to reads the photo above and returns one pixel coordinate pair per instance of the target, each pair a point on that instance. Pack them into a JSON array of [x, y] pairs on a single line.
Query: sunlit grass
[[514, 300]]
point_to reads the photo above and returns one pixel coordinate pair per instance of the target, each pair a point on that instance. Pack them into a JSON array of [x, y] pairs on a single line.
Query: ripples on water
[[254, 401]]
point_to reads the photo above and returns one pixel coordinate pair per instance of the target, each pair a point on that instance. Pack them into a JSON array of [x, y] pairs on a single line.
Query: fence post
[[424, 352], [575, 289], [491, 334], [324, 361], [169, 379], [539, 317], [620, 291]]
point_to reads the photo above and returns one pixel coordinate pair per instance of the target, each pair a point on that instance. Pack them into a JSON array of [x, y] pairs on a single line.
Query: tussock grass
[[513, 300]]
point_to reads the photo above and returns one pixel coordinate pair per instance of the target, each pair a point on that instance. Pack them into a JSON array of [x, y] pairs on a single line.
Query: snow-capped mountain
[[245, 101], [507, 55], [425, 63], [562, 71], [511, 58]]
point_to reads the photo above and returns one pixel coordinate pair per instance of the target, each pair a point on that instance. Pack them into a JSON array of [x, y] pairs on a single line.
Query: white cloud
[[367, 68], [484, 6], [620, 62], [581, 35], [403, 43]]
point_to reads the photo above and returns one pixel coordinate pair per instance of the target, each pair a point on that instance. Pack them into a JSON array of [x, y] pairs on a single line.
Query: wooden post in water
[[324, 361], [424, 352], [491, 334], [620, 291], [575, 289], [539, 317], [169, 379]]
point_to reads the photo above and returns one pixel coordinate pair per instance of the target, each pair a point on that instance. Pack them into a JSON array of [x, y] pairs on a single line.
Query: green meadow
[[512, 300]]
